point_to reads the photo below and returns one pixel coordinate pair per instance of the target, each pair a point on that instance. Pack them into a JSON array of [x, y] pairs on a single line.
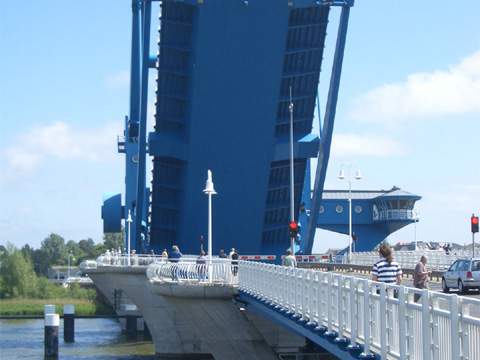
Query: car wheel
[[461, 288], [445, 288]]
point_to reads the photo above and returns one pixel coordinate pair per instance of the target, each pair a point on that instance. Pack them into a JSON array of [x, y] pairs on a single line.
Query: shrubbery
[[19, 280]]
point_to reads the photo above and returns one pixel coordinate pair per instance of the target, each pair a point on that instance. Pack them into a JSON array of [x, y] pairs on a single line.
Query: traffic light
[[293, 229], [474, 222]]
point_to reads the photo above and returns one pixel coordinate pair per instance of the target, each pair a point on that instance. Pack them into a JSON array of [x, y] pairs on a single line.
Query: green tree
[[41, 262], [113, 240], [77, 253], [55, 249], [88, 247], [17, 276]]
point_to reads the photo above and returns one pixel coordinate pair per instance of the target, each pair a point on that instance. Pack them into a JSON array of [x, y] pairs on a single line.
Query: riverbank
[[25, 306]]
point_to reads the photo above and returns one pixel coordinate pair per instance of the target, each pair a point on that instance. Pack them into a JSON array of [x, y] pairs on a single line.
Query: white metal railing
[[436, 260], [383, 318], [190, 270], [133, 260], [395, 214]]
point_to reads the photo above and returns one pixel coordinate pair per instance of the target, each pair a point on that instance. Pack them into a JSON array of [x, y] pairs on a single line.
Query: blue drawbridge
[[224, 73]]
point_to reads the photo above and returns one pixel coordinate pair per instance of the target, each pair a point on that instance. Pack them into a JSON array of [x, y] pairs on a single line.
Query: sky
[[407, 114]]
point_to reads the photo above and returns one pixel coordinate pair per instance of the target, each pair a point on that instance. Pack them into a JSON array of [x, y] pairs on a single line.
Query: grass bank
[[25, 306]]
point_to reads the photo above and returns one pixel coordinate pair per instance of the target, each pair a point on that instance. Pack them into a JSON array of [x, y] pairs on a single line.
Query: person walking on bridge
[[386, 270], [420, 277], [175, 257], [289, 260]]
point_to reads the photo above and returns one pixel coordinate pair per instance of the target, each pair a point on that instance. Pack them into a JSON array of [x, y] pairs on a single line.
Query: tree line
[[23, 271]]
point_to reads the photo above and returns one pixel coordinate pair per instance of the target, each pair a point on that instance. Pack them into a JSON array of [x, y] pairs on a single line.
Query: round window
[[321, 210], [339, 209], [358, 209]]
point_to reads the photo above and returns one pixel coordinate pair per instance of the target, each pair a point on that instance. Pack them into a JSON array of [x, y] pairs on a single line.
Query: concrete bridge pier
[[193, 319]]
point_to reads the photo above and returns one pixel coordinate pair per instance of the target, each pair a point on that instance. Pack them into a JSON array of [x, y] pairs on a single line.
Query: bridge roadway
[[350, 317]]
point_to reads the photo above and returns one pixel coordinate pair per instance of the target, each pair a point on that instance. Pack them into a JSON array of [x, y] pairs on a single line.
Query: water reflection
[[100, 339]]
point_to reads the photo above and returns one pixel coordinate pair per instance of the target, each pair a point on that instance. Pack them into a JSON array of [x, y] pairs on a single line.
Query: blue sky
[[408, 112]]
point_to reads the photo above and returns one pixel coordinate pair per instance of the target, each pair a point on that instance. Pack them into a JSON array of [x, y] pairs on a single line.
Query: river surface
[[99, 339]]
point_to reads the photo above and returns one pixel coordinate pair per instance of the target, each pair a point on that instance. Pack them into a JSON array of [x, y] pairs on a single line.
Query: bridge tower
[[224, 71]]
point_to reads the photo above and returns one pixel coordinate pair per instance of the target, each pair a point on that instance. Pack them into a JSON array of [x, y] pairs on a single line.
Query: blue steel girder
[[327, 128], [140, 217]]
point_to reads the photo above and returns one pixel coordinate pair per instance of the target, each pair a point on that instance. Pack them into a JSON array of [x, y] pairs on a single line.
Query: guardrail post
[[353, 314], [340, 308], [383, 320], [329, 303], [426, 326], [401, 323], [366, 317], [465, 310], [454, 330]]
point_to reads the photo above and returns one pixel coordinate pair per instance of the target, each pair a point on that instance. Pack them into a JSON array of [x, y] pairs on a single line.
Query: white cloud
[[424, 95], [352, 145], [61, 141]]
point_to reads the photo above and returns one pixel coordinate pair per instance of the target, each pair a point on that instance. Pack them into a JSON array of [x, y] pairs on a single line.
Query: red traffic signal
[[474, 223], [293, 228]]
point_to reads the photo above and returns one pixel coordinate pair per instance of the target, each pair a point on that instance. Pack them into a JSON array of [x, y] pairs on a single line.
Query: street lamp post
[[292, 174], [68, 269], [341, 176], [209, 190], [129, 222]]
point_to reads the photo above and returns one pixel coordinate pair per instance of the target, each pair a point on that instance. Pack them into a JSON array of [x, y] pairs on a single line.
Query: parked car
[[463, 274]]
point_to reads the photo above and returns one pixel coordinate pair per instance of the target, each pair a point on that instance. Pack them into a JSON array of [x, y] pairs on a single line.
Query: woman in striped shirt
[[386, 270]]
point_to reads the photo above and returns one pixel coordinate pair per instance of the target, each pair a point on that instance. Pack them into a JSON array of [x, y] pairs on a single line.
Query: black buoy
[[52, 321], [69, 323]]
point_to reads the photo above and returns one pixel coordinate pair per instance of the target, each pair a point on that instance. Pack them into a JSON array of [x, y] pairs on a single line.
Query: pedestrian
[[289, 260], [174, 258], [222, 254], [164, 254], [201, 266], [234, 257], [420, 277], [231, 253], [386, 270]]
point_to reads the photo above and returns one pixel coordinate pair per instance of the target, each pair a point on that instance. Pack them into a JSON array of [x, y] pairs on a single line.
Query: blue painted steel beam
[[302, 328], [140, 213], [327, 129], [132, 122]]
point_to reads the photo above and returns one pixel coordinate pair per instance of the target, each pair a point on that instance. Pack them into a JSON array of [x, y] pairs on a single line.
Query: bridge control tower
[[225, 70], [375, 214]]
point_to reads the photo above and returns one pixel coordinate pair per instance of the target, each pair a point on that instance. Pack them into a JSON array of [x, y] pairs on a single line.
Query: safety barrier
[[384, 319], [133, 260], [438, 260], [188, 270]]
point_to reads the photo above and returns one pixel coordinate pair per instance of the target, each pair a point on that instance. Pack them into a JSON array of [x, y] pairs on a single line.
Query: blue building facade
[[375, 214]]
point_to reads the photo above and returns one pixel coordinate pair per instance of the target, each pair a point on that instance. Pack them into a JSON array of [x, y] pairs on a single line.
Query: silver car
[[463, 274]]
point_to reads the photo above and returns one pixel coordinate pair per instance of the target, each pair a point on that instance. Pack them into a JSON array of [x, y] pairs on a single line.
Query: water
[[100, 339]]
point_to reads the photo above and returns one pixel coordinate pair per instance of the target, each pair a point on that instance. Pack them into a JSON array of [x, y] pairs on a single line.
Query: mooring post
[[147, 335], [52, 321], [48, 309], [131, 326], [69, 323]]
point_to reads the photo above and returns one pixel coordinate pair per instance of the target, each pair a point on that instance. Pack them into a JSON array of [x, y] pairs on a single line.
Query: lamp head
[[358, 175], [209, 189]]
